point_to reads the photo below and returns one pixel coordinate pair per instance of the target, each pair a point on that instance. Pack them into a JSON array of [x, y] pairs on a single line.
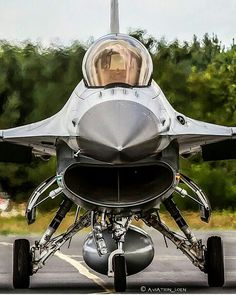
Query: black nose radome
[[118, 131]]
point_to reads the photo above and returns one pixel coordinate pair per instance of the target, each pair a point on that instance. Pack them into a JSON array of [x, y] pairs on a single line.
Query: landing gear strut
[[208, 259], [116, 260], [27, 261]]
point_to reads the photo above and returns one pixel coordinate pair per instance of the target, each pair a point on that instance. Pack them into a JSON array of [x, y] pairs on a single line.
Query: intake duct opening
[[118, 186]]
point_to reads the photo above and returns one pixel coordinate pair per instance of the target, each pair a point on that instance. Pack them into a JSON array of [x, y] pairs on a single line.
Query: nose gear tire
[[119, 267]]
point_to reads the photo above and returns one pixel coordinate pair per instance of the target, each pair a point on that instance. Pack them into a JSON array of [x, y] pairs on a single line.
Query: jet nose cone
[[118, 131]]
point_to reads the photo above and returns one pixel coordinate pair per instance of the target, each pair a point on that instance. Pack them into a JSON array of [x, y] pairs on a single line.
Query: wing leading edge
[[214, 141], [18, 144]]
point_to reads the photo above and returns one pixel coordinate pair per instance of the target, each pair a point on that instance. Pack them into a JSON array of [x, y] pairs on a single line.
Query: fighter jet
[[118, 142]]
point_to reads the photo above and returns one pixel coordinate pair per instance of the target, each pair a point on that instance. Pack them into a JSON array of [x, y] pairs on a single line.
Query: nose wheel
[[215, 262], [22, 268], [119, 267]]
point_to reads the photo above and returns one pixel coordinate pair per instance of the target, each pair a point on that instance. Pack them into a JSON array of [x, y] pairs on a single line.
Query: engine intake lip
[[118, 186]]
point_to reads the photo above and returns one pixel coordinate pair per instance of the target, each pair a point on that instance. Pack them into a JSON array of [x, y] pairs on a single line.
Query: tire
[[21, 264], [119, 267], [215, 262]]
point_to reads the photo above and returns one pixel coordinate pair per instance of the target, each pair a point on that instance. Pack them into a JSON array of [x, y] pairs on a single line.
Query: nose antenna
[[115, 24]]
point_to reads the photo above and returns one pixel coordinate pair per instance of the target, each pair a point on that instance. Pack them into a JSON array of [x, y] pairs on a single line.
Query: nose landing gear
[[116, 260], [119, 267]]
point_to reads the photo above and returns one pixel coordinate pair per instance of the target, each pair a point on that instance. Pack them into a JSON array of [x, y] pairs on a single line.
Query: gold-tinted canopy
[[117, 59]]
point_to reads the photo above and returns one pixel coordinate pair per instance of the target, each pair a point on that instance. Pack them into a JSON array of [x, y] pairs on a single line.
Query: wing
[[216, 142], [18, 144], [40, 138]]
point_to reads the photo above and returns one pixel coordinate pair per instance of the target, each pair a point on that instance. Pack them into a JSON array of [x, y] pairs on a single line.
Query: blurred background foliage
[[198, 78]]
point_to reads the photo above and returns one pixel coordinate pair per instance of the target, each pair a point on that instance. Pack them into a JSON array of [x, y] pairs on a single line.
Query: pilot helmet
[[117, 59]]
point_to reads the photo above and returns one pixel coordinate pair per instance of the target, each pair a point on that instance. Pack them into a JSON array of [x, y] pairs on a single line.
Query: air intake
[[118, 187]]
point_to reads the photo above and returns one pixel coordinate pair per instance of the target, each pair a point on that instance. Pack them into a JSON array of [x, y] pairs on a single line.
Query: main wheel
[[215, 262], [21, 264], [119, 267]]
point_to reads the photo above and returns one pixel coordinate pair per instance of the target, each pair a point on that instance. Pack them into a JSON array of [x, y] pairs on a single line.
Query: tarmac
[[169, 273]]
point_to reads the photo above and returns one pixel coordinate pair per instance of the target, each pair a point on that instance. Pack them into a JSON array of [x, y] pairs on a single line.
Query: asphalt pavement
[[170, 271]]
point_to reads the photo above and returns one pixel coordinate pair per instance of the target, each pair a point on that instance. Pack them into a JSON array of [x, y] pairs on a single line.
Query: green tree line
[[198, 78]]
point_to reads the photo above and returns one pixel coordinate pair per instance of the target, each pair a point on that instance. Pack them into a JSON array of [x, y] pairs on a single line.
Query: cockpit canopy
[[117, 59]]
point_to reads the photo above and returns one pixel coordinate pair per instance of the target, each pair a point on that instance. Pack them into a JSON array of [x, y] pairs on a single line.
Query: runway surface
[[170, 271]]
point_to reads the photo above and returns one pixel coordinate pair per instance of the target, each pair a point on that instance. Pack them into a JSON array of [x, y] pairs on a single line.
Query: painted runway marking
[[164, 274], [75, 256], [76, 264], [6, 244], [83, 270]]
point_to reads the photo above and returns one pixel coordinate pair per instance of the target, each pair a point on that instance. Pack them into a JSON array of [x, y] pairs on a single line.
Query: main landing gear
[[209, 260], [22, 264], [215, 262], [27, 261]]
